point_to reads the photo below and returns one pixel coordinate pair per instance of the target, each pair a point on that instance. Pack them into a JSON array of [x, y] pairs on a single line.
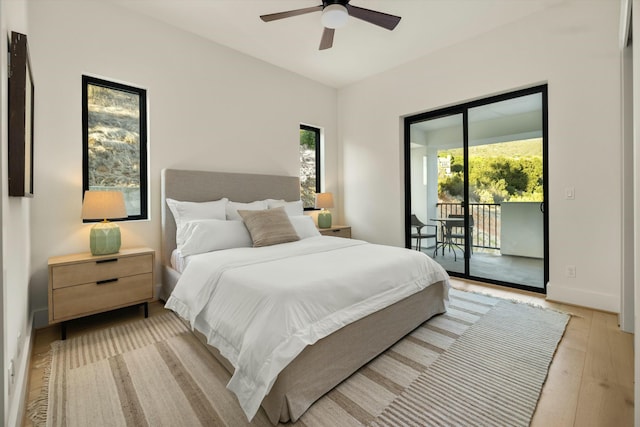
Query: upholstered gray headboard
[[202, 186]]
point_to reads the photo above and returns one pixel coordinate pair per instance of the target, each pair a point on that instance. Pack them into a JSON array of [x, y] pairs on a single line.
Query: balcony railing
[[486, 217]]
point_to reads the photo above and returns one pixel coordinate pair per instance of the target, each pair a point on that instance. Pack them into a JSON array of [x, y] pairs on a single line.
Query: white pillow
[[183, 212], [304, 226], [291, 208], [207, 235], [232, 208], [178, 262]]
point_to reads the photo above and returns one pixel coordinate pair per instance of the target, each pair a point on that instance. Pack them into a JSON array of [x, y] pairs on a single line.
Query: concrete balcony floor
[[490, 264]]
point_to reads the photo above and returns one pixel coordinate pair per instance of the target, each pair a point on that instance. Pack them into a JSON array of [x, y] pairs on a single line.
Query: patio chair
[[454, 230], [420, 234]]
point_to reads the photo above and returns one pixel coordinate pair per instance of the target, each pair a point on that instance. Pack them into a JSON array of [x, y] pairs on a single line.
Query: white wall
[[626, 318], [635, 29], [16, 247], [572, 46], [209, 108], [522, 229]]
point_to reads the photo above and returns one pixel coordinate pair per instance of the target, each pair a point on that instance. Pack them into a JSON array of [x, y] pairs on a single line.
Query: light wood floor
[[590, 381]]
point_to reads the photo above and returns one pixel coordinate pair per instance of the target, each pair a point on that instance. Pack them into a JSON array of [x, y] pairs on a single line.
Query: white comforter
[[262, 306]]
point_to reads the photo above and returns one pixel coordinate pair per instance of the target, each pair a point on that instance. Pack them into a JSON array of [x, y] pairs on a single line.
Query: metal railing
[[486, 217]]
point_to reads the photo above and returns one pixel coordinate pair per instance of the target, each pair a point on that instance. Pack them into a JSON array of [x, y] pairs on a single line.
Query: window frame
[[317, 132], [143, 161]]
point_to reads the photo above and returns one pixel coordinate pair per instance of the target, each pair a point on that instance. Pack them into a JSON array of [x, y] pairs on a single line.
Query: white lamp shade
[[324, 200], [103, 205], [335, 16]]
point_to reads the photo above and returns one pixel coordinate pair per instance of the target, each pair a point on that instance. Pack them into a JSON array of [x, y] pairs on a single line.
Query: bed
[[316, 368]]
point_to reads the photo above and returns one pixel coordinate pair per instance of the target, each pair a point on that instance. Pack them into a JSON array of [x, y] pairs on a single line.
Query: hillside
[[510, 171], [114, 138], [513, 150]]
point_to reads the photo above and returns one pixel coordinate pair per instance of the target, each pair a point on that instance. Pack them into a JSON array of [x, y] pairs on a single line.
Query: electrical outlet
[[570, 271], [12, 372]]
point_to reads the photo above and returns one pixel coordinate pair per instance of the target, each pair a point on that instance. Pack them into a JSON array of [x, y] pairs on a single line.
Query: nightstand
[[83, 284], [337, 231]]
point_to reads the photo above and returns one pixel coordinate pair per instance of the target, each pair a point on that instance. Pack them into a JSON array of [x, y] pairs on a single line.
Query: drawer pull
[[103, 282], [102, 261]]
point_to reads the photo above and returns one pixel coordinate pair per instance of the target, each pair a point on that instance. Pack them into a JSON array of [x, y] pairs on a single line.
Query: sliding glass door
[[437, 182], [476, 180]]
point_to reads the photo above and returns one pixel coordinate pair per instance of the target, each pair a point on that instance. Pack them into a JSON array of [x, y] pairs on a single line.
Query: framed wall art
[[20, 121]]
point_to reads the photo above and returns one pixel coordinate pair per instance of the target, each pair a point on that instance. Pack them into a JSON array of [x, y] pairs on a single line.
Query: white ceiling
[[359, 50], [503, 121], [522, 105]]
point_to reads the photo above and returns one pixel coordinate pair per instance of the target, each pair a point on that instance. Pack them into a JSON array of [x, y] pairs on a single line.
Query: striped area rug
[[482, 363]]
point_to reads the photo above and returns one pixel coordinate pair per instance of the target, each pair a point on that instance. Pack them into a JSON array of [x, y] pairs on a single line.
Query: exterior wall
[[574, 48]]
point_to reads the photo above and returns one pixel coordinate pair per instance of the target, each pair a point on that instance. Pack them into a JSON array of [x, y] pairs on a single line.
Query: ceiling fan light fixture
[[335, 16]]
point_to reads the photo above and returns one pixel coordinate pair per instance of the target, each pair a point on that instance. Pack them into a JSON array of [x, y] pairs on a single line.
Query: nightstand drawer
[[337, 232], [69, 302], [101, 269]]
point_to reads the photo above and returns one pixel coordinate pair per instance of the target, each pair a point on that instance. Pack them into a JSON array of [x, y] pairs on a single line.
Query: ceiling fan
[[335, 14]]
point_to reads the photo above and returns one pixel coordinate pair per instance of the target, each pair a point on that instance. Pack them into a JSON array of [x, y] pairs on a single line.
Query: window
[[309, 165], [114, 142]]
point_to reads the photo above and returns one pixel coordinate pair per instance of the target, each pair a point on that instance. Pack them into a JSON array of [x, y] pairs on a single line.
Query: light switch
[[570, 193]]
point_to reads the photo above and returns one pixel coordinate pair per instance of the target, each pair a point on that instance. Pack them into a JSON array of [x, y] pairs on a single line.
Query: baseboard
[[40, 318], [18, 396], [581, 297]]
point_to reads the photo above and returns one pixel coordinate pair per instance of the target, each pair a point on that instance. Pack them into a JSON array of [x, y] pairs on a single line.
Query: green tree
[[494, 177], [307, 139]]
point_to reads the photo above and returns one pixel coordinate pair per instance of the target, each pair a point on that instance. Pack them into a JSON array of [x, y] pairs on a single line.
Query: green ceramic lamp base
[[324, 219], [104, 238]]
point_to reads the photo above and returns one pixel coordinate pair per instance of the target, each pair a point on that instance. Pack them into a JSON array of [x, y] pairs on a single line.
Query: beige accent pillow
[[269, 227]]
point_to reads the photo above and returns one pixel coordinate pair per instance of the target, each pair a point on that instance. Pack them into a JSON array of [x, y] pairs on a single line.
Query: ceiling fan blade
[[380, 19], [290, 13], [327, 38]]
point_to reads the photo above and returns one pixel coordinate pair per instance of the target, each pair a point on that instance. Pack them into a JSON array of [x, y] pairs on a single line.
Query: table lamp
[[105, 236], [324, 201]]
